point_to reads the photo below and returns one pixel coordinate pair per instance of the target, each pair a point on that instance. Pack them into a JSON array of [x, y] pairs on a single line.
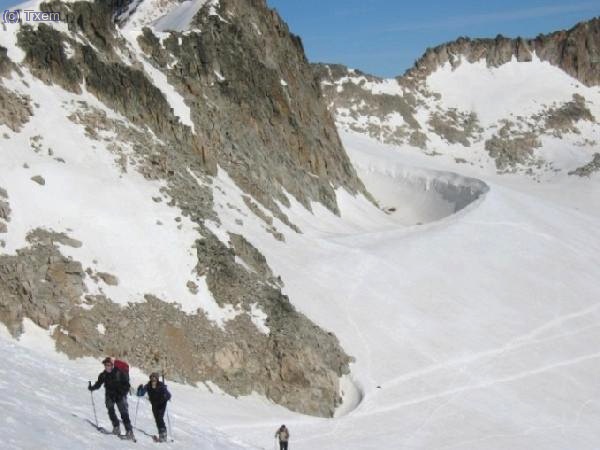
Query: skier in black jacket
[[159, 396], [116, 386]]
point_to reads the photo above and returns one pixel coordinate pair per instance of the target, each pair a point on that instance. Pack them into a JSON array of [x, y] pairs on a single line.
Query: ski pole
[[169, 422], [93, 405], [167, 410], [136, 411]]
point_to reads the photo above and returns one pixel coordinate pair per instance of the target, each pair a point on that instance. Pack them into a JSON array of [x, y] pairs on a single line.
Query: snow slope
[[147, 244], [46, 404], [476, 87], [480, 330]]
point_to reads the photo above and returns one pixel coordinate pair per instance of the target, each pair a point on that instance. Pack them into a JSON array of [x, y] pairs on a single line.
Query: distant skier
[[159, 396], [116, 385], [283, 435]]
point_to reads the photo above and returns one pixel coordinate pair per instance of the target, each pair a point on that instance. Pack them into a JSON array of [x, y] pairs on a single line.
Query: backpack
[[122, 366]]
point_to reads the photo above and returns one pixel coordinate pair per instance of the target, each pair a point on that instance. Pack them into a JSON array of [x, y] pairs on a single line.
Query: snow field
[[112, 213]]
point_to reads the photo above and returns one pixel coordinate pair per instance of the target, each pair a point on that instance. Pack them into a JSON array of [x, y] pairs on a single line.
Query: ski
[[98, 427], [156, 439], [124, 437]]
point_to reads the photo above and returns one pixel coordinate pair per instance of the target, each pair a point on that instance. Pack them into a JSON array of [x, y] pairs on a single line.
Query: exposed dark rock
[[108, 278], [4, 211], [193, 287], [46, 58], [563, 119], [39, 180], [291, 332], [50, 238], [6, 65], [38, 283], [455, 127], [250, 255], [150, 45], [130, 92], [15, 109], [94, 20], [588, 169], [576, 51], [156, 161], [509, 147]]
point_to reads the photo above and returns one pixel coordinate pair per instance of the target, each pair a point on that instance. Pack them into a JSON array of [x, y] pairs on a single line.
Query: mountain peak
[[576, 51]]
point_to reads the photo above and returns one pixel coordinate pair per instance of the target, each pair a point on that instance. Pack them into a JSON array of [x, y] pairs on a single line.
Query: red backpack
[[122, 366]]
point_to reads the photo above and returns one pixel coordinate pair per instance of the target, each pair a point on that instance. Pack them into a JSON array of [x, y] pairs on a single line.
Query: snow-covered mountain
[[115, 143], [530, 106], [175, 192]]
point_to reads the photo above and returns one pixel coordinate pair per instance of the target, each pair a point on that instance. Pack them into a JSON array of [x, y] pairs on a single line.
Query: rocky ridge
[[589, 168], [576, 51]]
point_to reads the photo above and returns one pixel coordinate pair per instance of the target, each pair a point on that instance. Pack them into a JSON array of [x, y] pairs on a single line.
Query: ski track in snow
[[514, 344]]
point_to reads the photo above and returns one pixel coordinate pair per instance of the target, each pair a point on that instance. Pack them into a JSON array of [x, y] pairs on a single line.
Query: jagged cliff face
[[576, 51], [252, 93], [117, 126], [480, 101]]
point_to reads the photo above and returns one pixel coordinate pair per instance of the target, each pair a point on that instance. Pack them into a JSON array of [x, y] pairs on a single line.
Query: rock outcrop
[[576, 51], [15, 109], [6, 65], [588, 169], [563, 119], [4, 213], [510, 147]]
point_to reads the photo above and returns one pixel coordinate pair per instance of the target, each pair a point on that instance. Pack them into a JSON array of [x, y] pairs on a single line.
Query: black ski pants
[[283, 445], [158, 409], [123, 410]]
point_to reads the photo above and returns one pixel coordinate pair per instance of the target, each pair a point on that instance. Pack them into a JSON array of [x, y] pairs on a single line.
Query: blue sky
[[385, 37]]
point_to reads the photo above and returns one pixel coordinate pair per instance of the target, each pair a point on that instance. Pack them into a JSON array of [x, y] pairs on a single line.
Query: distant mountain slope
[[511, 102]]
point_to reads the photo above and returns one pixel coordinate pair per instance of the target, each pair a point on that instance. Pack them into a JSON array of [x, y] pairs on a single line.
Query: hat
[[107, 360], [155, 375]]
